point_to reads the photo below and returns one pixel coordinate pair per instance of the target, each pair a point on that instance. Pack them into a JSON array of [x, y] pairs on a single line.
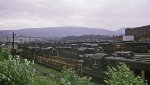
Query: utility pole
[[13, 44]]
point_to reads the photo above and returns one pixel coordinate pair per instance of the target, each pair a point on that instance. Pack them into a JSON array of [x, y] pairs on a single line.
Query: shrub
[[69, 77], [16, 72], [122, 75], [3, 54]]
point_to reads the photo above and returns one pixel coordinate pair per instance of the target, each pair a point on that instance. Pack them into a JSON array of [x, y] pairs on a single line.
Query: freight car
[[59, 62], [94, 65]]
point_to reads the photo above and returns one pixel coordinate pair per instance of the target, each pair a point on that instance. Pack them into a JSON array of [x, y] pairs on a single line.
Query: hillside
[[59, 32], [86, 38]]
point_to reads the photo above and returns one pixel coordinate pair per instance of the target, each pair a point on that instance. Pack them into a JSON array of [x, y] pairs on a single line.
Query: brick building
[[118, 38], [139, 33]]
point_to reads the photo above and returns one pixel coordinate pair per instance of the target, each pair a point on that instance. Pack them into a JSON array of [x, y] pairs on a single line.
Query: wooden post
[[13, 44], [81, 70], [143, 74]]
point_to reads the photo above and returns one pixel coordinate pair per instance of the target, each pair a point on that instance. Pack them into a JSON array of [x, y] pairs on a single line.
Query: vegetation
[[122, 75], [13, 71], [69, 77], [16, 72], [47, 76], [86, 38], [42, 76], [3, 54]]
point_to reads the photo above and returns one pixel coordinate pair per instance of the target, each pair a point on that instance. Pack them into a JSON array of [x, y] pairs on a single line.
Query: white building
[[127, 38]]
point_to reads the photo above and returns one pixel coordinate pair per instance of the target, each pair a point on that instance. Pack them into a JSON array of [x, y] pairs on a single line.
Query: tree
[[16, 72], [69, 77], [122, 75], [4, 54]]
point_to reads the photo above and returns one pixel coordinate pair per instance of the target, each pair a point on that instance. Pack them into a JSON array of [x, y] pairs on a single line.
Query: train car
[[68, 52], [137, 47], [59, 62], [93, 64], [108, 48]]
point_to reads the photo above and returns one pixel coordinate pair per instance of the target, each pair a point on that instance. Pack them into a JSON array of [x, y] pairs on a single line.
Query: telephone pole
[[13, 44]]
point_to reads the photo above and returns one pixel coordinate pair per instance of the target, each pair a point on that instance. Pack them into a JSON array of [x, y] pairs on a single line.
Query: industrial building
[[123, 38], [139, 33]]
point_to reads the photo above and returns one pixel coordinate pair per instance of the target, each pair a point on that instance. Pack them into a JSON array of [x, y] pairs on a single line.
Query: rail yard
[[89, 58]]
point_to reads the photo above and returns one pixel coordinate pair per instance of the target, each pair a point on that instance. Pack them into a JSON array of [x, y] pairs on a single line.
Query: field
[[42, 76]]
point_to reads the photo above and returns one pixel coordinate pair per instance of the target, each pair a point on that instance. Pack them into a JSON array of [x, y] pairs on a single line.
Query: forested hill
[[60, 32]]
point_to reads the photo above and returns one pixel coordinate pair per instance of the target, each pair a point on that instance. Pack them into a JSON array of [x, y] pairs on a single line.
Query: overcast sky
[[108, 14]]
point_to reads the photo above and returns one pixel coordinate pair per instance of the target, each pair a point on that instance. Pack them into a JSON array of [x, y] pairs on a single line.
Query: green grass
[[43, 69], [41, 80], [42, 76]]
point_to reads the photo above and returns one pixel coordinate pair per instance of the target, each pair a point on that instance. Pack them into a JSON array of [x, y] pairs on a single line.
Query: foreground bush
[[3, 54], [123, 76], [16, 72], [69, 77]]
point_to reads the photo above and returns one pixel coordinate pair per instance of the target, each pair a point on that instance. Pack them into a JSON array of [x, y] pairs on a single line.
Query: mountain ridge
[[60, 31]]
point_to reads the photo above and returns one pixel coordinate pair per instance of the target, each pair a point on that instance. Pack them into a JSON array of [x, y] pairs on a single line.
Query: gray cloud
[[109, 14]]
